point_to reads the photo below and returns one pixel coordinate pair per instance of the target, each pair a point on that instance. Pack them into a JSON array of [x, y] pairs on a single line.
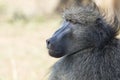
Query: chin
[[56, 54]]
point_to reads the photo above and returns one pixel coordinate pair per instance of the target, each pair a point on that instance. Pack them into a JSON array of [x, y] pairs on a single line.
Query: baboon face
[[74, 34]]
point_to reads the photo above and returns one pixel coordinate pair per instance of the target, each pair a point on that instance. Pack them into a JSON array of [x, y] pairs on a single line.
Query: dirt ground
[[23, 53]]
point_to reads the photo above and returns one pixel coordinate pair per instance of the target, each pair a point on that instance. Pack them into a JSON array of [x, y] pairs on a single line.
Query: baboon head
[[82, 28]]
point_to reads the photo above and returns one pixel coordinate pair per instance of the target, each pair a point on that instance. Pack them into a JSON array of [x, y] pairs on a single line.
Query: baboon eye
[[72, 21]]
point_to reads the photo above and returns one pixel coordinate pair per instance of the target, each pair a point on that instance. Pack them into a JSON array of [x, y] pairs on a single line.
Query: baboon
[[87, 46]]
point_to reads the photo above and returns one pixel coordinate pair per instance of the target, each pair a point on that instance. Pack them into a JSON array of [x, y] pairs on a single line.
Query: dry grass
[[23, 53]]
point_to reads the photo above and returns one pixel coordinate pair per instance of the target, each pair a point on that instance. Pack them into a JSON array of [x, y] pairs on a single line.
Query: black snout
[[55, 50]]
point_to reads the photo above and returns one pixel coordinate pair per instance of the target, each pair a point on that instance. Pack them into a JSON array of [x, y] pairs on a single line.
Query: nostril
[[48, 42]]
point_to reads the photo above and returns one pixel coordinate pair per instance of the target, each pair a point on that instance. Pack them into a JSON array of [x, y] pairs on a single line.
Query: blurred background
[[24, 27]]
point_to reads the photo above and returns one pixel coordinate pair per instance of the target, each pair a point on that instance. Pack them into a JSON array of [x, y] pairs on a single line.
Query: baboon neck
[[105, 34]]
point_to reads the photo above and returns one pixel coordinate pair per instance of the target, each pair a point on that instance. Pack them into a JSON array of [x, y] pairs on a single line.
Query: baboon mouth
[[55, 53]]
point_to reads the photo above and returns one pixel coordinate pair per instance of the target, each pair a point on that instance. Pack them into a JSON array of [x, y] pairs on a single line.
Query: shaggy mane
[[109, 9], [87, 16]]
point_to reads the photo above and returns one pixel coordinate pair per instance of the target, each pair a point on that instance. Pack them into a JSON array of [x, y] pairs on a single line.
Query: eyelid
[[72, 21]]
